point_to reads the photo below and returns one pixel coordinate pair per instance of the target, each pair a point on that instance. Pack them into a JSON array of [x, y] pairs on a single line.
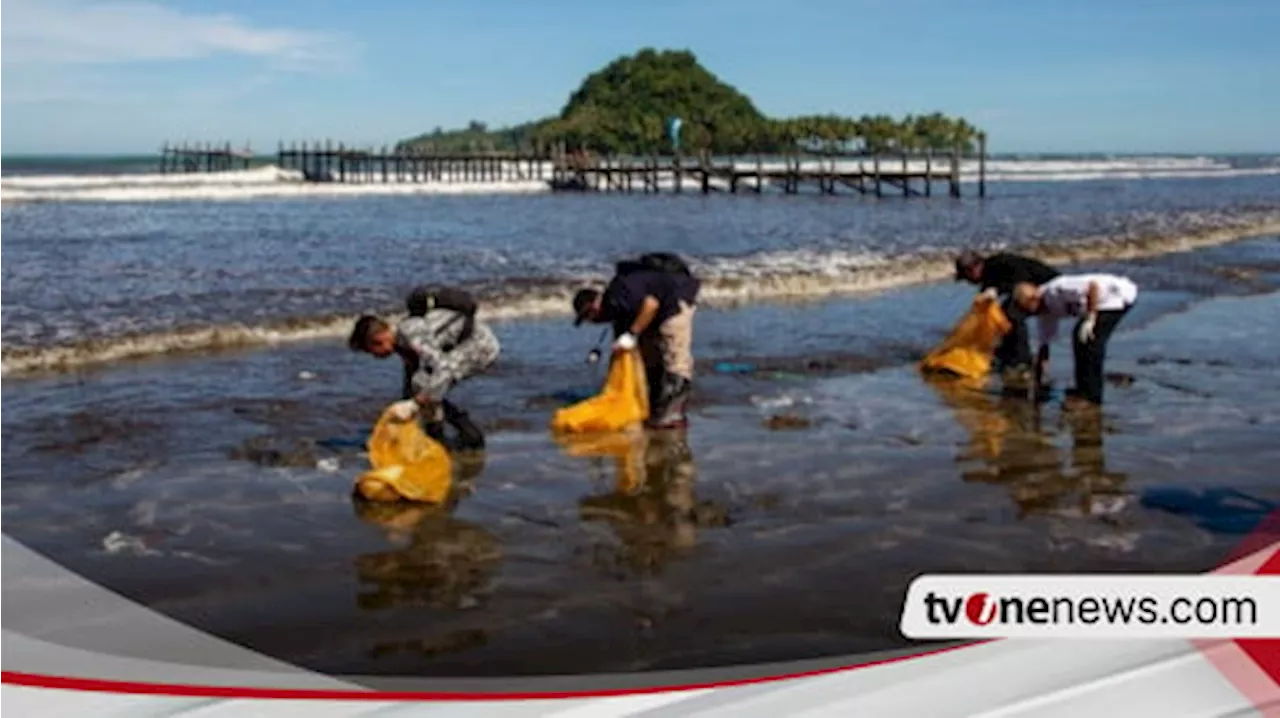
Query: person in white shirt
[[1100, 301]]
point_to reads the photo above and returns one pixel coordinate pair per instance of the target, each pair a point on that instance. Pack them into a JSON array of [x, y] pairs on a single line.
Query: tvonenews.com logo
[[983, 609], [1092, 606]]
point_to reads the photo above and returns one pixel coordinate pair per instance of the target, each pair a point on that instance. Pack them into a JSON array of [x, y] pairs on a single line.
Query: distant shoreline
[[154, 157]]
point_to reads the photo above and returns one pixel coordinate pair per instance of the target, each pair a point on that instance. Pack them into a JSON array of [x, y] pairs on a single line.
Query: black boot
[[435, 430], [470, 437], [668, 412]]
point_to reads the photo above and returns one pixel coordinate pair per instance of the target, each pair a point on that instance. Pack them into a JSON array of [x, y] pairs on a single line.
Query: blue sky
[[1039, 75]]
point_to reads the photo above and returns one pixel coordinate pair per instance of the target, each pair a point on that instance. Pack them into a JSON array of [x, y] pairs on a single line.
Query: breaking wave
[[761, 277], [275, 182], [259, 183]]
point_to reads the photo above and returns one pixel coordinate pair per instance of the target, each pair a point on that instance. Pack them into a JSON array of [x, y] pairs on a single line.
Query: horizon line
[[1120, 153]]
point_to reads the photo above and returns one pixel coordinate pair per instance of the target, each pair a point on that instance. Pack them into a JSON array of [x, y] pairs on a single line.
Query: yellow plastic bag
[[407, 464], [624, 402], [967, 351]]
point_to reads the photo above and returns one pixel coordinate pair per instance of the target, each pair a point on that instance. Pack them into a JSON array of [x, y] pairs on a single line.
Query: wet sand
[[785, 524]]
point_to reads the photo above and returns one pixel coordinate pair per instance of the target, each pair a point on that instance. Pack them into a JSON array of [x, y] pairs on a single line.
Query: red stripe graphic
[[1252, 665], [35, 680], [1265, 652]]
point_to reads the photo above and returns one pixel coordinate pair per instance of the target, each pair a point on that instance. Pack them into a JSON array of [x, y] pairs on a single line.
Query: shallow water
[[196, 485], [136, 278]]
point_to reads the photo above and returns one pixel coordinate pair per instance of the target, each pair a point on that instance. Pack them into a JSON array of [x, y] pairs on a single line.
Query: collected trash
[[770, 403], [1225, 511], [328, 465], [406, 463], [117, 542], [729, 367], [782, 422], [968, 349], [306, 375], [623, 404]]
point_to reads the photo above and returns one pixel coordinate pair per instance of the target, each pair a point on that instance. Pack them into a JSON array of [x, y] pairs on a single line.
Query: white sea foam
[[274, 182], [761, 277], [260, 175], [260, 183]]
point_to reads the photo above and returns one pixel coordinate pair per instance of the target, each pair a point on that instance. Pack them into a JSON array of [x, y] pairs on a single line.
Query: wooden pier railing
[[326, 162], [828, 173], [203, 158]]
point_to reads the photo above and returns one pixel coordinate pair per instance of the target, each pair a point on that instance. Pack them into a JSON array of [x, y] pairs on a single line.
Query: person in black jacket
[[997, 275], [651, 302]]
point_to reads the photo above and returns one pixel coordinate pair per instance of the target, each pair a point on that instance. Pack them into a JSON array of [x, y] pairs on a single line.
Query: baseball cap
[[582, 302]]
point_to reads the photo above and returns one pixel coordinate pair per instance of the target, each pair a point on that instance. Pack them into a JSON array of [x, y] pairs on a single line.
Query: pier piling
[[825, 169]]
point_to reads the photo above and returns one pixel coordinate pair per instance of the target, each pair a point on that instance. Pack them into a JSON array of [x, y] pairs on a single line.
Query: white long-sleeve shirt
[[1068, 296]]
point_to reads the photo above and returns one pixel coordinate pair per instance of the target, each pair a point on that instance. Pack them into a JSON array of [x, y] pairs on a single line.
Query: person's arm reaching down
[[1085, 334], [406, 387], [1048, 324], [648, 310]]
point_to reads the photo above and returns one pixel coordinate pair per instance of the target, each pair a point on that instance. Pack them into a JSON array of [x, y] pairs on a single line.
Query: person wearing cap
[[996, 276], [1100, 301], [651, 309], [441, 345]]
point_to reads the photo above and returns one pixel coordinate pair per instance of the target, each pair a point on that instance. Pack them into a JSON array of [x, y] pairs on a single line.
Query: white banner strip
[[1092, 606]]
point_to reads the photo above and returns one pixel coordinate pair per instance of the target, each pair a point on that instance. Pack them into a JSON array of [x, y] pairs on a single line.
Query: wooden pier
[[825, 173], [203, 158], [877, 174], [327, 162]]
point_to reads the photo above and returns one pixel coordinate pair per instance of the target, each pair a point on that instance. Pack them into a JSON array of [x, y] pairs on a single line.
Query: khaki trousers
[[672, 347]]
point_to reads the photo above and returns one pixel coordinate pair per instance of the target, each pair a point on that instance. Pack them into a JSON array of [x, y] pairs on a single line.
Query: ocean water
[[90, 281], [174, 365]]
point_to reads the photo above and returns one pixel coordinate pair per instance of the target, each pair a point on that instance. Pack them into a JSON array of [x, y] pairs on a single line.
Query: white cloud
[[80, 32]]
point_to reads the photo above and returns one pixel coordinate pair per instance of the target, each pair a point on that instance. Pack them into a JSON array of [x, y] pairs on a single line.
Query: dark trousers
[[1015, 347], [470, 437], [1091, 355]]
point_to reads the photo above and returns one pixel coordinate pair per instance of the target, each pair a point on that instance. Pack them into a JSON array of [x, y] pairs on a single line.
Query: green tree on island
[[623, 109]]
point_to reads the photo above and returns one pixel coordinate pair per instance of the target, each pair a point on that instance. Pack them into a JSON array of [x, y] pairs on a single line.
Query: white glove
[[1085, 333], [404, 410], [625, 343], [991, 293]]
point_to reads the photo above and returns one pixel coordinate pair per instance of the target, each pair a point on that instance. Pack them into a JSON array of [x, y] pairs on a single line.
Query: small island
[[650, 122], [627, 107]]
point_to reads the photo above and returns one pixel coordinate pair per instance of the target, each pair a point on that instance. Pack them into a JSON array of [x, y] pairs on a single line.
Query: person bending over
[[651, 303], [996, 276], [441, 345], [1100, 301]]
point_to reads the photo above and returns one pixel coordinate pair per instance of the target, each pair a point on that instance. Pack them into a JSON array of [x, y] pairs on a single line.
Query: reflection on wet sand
[[1012, 448], [652, 508], [438, 561], [441, 561]]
